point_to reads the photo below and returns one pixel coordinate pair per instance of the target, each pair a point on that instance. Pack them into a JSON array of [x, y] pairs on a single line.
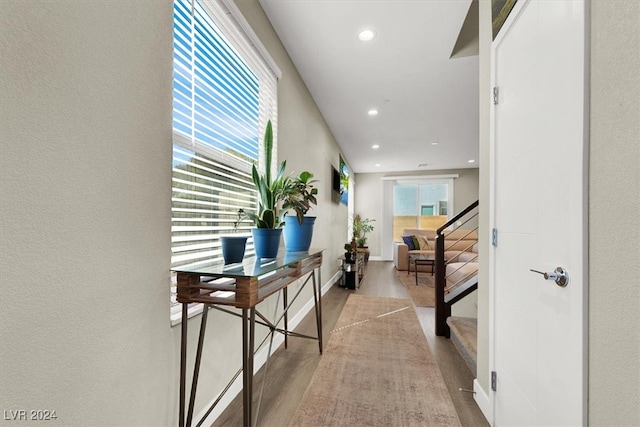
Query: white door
[[539, 205]]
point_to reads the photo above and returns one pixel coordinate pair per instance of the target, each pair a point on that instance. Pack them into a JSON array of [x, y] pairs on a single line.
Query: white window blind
[[206, 197], [224, 92]]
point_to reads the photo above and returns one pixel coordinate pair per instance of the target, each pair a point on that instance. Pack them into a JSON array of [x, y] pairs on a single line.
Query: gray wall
[[614, 203], [86, 173], [85, 210], [614, 214]]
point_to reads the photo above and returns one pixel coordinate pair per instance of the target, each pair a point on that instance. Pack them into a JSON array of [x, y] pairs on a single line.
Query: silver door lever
[[560, 276]]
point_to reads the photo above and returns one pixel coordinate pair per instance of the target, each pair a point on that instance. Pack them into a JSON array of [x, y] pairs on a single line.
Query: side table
[[419, 261], [352, 273]]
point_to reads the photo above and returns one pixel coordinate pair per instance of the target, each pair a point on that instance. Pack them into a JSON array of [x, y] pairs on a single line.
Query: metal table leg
[[317, 299], [248, 335], [285, 303], [183, 364]]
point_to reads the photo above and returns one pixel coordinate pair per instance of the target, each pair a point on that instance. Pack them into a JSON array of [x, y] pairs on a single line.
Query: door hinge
[[495, 95], [494, 381], [494, 237]]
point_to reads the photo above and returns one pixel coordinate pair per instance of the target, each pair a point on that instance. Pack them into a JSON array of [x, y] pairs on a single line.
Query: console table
[[255, 280]]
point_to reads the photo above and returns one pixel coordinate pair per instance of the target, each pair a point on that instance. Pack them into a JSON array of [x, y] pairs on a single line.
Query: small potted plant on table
[[300, 195], [233, 245], [271, 192], [362, 226]]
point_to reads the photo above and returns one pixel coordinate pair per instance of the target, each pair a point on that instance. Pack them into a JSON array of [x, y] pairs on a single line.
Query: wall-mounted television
[[335, 183]]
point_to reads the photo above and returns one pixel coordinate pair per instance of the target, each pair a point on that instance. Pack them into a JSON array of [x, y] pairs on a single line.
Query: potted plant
[[299, 197], [362, 226], [360, 229], [233, 245], [271, 192]]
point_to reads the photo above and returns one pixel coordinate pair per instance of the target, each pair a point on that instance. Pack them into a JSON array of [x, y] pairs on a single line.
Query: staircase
[[456, 277]]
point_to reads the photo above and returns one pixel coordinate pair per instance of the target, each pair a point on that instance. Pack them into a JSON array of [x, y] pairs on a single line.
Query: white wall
[[367, 195], [304, 141], [85, 210], [484, 240]]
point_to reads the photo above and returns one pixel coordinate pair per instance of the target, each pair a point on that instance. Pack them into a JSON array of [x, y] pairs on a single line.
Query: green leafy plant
[[300, 195], [361, 226], [271, 190]]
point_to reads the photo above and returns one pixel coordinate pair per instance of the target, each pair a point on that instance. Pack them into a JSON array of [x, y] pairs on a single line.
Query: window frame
[[419, 206], [387, 205], [236, 31]]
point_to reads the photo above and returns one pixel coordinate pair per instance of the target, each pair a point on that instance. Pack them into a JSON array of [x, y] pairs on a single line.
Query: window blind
[[206, 196], [224, 92]]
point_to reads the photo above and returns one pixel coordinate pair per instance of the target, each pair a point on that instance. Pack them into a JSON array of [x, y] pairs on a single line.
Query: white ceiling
[[406, 73]]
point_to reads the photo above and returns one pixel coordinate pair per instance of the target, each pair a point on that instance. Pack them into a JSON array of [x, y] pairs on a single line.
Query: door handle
[[559, 275]]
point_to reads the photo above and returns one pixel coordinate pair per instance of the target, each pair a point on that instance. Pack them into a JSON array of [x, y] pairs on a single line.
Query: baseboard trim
[[260, 359], [483, 401]]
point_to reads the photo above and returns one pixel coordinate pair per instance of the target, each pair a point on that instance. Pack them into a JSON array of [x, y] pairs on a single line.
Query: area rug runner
[[423, 295], [376, 370]]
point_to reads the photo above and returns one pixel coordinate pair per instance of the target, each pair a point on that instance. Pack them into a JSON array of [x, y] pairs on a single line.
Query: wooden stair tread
[[464, 331]]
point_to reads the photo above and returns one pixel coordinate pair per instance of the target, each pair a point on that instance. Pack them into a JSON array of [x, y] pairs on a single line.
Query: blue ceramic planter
[[233, 248], [266, 241], [297, 237]]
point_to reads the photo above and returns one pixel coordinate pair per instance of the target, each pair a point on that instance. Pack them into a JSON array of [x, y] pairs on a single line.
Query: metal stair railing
[[446, 296]]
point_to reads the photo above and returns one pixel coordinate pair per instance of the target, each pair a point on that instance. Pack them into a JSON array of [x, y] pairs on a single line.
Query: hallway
[[290, 370]]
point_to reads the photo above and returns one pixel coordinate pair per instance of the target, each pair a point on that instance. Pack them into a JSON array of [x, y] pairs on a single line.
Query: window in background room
[[420, 205], [224, 92], [426, 210]]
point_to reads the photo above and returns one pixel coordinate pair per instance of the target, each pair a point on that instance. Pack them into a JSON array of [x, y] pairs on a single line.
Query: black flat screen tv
[[335, 184]]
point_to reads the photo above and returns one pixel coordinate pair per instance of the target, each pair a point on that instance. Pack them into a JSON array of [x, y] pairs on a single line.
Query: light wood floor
[[290, 370]]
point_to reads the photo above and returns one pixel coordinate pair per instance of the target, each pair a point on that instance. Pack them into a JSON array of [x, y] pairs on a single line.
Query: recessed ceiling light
[[435, 143], [422, 165], [366, 35], [373, 112], [375, 146], [377, 165], [471, 161]]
